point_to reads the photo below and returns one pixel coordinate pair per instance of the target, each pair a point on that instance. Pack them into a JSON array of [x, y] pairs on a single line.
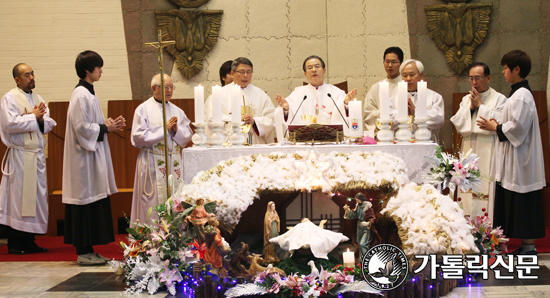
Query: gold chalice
[[309, 119]]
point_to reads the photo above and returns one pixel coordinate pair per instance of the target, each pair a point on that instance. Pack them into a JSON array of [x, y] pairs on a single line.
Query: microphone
[[344, 119], [305, 96]]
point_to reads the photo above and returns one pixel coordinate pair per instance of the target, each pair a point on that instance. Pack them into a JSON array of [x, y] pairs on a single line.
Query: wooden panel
[[123, 154], [56, 143]]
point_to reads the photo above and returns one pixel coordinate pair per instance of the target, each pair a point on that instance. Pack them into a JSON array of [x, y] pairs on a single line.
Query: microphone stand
[[338, 110], [305, 96]]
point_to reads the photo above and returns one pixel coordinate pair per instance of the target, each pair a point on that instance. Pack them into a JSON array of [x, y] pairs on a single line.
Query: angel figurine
[[198, 217]]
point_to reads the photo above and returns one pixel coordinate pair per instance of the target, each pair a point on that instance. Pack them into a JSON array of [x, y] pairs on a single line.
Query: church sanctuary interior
[[255, 193]]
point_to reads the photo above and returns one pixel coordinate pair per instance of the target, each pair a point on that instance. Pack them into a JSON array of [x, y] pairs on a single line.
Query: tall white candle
[[216, 103], [384, 95], [355, 118], [199, 104], [402, 101], [349, 258], [236, 100], [422, 102]]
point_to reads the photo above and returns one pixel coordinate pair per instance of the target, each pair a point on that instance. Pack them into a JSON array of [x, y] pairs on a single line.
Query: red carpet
[[542, 245], [58, 251]]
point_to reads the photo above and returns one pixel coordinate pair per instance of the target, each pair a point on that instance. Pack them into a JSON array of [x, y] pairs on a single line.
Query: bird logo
[[384, 267]]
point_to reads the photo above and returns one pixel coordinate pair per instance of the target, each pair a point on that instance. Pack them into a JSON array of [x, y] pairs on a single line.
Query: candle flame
[[348, 249]]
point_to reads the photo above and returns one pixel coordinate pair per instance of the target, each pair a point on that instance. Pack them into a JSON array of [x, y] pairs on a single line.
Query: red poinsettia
[[198, 249]]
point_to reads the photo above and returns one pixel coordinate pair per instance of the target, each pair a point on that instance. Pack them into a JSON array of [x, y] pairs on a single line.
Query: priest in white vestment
[[24, 120], [412, 72], [261, 107], [393, 57], [88, 176], [483, 101], [148, 135], [325, 102], [518, 163]]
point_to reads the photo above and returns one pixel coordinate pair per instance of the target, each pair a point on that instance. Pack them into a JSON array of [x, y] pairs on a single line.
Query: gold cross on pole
[[159, 45]]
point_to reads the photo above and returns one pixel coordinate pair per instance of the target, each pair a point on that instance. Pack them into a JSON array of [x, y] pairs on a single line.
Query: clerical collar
[[413, 93], [522, 84], [86, 85], [159, 101]]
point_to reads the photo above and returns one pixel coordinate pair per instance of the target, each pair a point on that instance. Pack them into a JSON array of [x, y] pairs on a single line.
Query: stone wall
[[514, 24], [277, 36], [48, 35]]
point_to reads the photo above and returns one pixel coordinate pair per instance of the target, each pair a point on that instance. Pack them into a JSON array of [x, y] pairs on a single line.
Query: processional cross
[[159, 45]]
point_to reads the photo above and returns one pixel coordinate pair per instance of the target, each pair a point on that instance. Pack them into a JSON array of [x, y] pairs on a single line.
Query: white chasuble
[[23, 190], [88, 174], [326, 109], [148, 135], [482, 144], [372, 101], [261, 108]]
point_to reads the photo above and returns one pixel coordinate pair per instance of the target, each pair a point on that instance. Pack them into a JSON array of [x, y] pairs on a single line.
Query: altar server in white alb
[[88, 176], [483, 101], [323, 101], [148, 135], [261, 115], [393, 57], [24, 119], [412, 72], [518, 163]]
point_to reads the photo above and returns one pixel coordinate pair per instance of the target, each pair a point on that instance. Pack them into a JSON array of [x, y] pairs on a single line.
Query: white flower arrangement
[[235, 183], [429, 222]]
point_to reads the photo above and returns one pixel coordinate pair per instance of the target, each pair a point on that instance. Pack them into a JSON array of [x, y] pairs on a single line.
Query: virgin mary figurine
[[271, 229]]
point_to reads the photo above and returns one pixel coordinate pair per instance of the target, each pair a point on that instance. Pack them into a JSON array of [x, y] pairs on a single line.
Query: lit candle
[[216, 103], [422, 101], [349, 258], [236, 100], [402, 101], [199, 104], [355, 118], [384, 95]]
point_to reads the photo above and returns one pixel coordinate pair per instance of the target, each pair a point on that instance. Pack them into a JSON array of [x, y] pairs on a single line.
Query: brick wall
[[48, 35]]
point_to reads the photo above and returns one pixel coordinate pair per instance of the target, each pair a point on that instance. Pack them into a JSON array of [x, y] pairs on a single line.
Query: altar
[[197, 159]]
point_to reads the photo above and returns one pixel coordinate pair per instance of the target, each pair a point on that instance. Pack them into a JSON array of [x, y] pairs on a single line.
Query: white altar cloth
[[196, 159]]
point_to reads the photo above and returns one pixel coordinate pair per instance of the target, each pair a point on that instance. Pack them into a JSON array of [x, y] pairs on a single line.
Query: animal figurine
[[314, 270], [236, 266], [256, 268]]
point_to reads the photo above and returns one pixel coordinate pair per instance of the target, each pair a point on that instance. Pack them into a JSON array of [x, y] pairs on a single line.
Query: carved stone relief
[[194, 31], [458, 29]]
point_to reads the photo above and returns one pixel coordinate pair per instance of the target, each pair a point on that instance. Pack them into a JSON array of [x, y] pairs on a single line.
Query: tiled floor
[[67, 279]]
